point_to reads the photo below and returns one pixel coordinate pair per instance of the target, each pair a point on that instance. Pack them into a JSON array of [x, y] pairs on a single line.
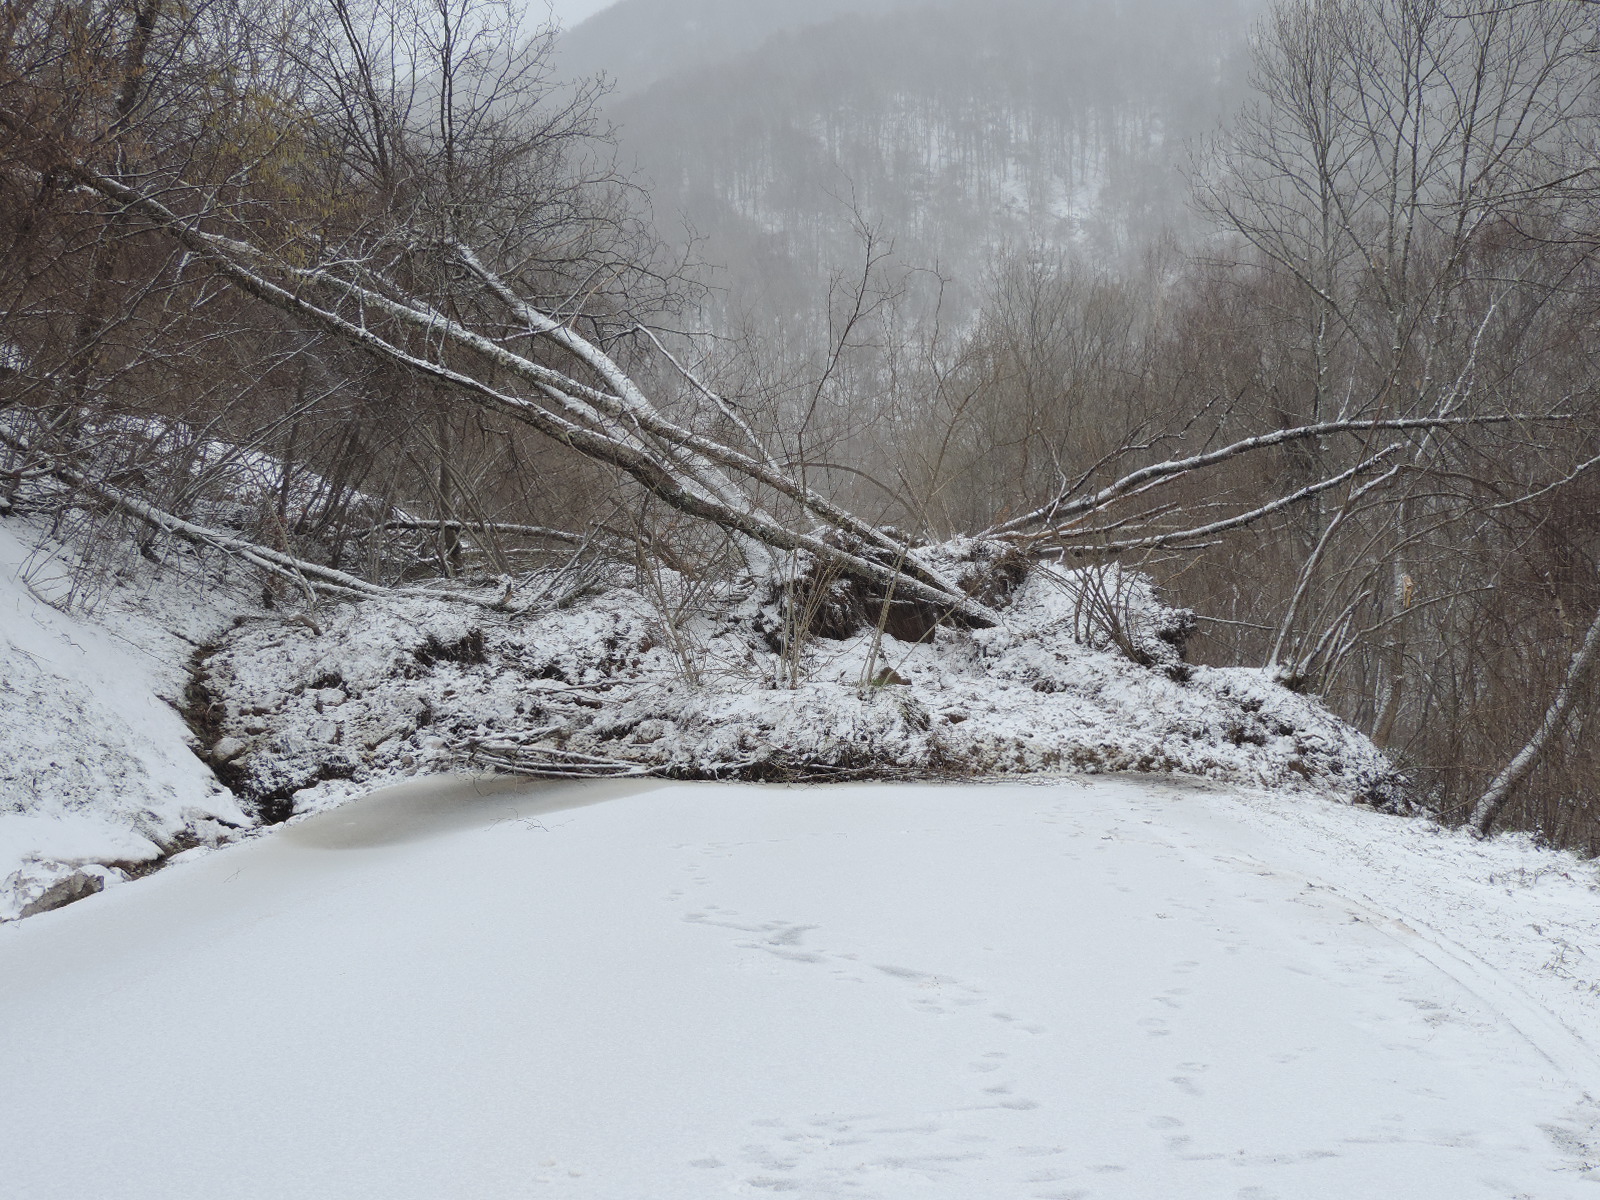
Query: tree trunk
[[1505, 784]]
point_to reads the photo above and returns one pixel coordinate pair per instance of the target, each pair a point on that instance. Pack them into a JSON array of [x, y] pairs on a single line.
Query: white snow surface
[[96, 772], [1114, 988]]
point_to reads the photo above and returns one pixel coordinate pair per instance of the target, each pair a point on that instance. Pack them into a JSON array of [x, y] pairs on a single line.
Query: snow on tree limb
[[307, 574], [1063, 508]]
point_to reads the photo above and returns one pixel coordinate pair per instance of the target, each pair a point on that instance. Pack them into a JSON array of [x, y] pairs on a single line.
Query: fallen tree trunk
[[610, 431], [301, 571]]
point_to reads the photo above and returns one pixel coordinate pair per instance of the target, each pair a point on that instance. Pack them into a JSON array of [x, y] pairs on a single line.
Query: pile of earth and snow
[[299, 706], [713, 687]]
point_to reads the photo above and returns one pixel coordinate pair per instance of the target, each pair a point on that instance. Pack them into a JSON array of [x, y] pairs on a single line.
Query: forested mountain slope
[[953, 131]]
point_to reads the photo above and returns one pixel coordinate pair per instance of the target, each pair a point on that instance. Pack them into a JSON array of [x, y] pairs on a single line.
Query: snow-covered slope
[[636, 42], [97, 778], [1113, 990]]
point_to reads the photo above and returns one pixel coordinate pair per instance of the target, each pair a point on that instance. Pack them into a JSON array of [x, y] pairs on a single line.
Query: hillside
[[1044, 123]]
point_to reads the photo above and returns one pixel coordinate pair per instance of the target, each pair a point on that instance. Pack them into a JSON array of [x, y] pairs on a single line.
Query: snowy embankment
[[1095, 989], [98, 777]]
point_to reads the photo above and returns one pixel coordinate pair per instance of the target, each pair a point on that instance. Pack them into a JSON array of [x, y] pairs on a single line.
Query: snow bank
[[1085, 673], [1511, 918], [97, 777]]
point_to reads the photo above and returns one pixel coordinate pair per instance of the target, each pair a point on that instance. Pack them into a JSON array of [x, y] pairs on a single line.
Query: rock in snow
[[46, 884]]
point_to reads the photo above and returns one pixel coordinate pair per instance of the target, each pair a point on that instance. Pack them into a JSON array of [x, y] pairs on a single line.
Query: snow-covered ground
[[1111, 988], [1123, 987], [97, 777]]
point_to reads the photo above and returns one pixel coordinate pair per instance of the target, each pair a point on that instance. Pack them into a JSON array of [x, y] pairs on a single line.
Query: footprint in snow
[[771, 1184], [1046, 1177]]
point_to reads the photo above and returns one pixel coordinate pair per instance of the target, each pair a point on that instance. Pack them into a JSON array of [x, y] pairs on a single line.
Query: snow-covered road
[[1123, 989]]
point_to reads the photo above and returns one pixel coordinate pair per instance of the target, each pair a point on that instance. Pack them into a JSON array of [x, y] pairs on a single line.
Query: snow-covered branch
[[1179, 538], [1063, 508], [299, 570], [1504, 785], [691, 485]]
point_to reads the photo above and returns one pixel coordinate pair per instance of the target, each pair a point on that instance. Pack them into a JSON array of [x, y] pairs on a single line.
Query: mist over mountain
[[957, 131], [635, 43]]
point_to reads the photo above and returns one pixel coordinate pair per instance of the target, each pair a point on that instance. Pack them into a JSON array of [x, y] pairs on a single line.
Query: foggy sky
[[570, 12]]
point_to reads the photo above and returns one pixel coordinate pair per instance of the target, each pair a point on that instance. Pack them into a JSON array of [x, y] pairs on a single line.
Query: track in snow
[[1112, 989]]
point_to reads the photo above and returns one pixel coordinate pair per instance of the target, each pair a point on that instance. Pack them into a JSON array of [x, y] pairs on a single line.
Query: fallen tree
[[579, 396]]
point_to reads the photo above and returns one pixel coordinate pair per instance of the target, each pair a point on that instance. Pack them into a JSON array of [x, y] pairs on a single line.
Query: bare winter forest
[[1290, 312]]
